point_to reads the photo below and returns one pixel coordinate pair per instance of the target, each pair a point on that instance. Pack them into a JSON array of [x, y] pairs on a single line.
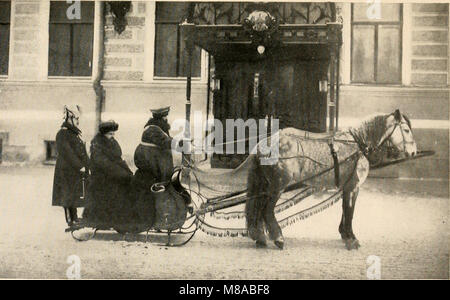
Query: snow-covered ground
[[407, 228]]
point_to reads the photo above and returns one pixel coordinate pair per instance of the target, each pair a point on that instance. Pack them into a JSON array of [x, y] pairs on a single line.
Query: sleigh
[[174, 220], [171, 216]]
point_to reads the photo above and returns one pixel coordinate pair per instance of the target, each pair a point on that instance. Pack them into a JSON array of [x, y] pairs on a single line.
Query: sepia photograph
[[224, 141]]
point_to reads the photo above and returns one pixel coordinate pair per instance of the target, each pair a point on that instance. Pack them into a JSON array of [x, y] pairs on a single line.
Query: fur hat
[[108, 126], [160, 112]]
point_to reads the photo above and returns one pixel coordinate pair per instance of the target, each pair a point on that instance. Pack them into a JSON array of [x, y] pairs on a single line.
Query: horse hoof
[[279, 244], [351, 244], [261, 244], [256, 235]]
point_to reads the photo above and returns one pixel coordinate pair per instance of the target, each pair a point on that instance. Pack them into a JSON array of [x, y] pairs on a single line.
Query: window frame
[[92, 23], [8, 23], [376, 25], [157, 22], [50, 148]]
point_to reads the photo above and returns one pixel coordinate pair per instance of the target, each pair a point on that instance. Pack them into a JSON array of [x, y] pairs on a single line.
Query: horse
[[342, 163]]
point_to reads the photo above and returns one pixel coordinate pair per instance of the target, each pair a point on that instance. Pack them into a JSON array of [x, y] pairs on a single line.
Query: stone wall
[[32, 113], [124, 53], [25, 39], [429, 65]]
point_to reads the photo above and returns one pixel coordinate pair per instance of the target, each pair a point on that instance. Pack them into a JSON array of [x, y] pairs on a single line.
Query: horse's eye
[[407, 130]]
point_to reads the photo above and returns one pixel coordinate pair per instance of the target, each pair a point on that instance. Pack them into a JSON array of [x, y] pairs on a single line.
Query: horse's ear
[[398, 115]]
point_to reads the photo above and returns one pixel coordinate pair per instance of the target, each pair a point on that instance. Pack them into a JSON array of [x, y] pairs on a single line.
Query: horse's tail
[[257, 197]]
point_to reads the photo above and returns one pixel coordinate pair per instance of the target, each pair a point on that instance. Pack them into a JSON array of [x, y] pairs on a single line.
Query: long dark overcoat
[[154, 162], [72, 157], [110, 202]]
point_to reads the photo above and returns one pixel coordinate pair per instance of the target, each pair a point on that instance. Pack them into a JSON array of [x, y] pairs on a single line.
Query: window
[[376, 44], [71, 40], [170, 55], [50, 151], [5, 16]]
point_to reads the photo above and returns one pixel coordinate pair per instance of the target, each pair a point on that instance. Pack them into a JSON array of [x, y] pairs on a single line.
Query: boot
[[73, 214], [68, 216]]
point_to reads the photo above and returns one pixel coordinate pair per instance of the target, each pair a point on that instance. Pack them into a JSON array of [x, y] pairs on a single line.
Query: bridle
[[388, 137]]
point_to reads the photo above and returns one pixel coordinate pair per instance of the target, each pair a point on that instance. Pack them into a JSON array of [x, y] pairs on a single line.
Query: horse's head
[[399, 134], [385, 136]]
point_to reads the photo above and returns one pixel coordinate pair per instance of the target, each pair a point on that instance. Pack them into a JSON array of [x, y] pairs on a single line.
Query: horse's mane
[[408, 121], [370, 132]]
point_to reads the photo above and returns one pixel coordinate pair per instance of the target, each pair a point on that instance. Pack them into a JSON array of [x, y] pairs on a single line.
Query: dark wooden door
[[234, 100], [287, 90], [291, 91]]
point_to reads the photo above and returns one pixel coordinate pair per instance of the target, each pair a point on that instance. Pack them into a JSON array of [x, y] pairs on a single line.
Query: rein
[[367, 150]]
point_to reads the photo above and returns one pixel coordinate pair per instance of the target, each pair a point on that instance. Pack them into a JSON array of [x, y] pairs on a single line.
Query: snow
[[407, 230]]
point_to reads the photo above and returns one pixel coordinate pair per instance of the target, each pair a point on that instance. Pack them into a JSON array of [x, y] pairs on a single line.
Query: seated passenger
[[153, 156], [109, 202], [154, 162]]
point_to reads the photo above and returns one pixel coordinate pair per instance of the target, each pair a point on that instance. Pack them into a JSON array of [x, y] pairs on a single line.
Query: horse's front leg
[[348, 208], [346, 195]]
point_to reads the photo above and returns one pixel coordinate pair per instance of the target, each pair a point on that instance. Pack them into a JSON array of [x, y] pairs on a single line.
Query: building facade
[[393, 56]]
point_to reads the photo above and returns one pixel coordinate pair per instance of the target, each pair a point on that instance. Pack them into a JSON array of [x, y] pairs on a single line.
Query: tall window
[[170, 55], [376, 44], [5, 16], [71, 39]]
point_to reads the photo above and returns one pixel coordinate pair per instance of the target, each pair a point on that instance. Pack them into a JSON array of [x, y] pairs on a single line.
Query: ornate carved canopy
[[239, 29], [222, 13]]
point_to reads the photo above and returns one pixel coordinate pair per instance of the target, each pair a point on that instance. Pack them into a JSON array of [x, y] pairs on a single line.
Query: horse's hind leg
[[255, 204], [255, 220], [257, 229], [272, 225], [260, 235], [348, 208]]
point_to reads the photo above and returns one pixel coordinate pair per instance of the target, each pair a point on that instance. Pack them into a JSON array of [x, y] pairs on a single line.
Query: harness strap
[[335, 164]]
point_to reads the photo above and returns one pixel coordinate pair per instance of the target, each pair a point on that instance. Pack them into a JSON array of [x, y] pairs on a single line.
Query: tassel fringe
[[288, 221]]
